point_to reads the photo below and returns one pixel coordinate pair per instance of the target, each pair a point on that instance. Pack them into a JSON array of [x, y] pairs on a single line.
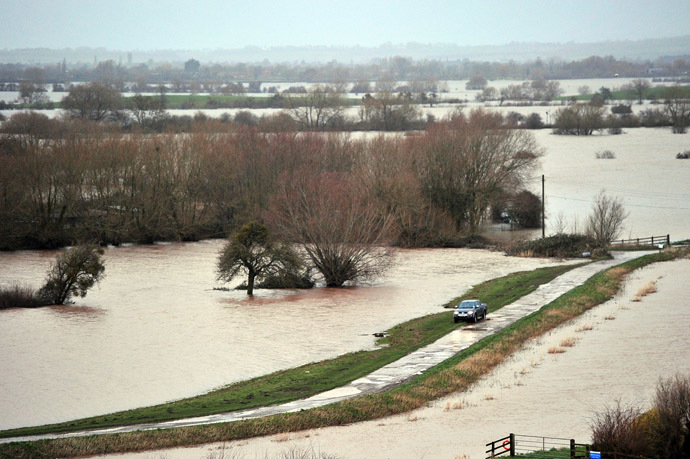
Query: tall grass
[[18, 296]]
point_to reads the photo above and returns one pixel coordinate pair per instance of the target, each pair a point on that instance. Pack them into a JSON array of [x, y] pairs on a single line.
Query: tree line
[[193, 75], [88, 182]]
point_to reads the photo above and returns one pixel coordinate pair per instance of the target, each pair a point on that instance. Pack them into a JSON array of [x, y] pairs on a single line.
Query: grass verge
[[455, 374]]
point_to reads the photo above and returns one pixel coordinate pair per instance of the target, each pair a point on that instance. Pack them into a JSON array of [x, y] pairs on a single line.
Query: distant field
[[649, 94], [195, 101]]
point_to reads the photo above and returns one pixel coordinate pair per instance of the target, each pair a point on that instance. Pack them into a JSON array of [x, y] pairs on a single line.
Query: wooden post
[[572, 448], [543, 229], [512, 445], [668, 239]]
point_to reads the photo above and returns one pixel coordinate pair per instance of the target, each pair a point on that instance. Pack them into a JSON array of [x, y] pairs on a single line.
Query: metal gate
[[537, 447]]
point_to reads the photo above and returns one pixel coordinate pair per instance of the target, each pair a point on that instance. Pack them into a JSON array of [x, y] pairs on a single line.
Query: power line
[[627, 205], [629, 191]]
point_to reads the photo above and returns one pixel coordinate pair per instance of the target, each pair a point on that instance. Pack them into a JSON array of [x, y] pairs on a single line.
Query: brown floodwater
[[155, 329], [616, 351]]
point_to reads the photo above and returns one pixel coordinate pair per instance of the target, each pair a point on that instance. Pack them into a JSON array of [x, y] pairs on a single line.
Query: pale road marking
[[394, 373]]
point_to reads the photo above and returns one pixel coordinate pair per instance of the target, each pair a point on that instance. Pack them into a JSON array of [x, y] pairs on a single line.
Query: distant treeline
[[195, 75], [85, 181]]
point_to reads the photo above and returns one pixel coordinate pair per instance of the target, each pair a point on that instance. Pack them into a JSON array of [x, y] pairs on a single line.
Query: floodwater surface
[[616, 351], [155, 330]]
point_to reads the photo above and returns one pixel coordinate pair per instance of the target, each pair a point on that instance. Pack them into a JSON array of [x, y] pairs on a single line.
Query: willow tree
[[253, 251], [74, 272]]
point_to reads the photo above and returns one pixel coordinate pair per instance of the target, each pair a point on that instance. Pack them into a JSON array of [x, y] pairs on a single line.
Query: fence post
[[572, 448], [512, 445], [668, 240]]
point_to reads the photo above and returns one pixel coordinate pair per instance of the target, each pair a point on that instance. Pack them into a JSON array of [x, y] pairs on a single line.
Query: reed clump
[[645, 290]]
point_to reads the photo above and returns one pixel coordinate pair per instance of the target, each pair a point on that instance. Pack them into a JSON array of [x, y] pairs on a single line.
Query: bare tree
[[464, 164], [677, 105], [253, 251], [321, 106], [93, 101], [147, 109], [640, 85], [579, 119], [605, 222], [343, 232], [30, 93]]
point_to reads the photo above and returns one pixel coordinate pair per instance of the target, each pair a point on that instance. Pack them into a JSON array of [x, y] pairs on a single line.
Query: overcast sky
[[212, 24]]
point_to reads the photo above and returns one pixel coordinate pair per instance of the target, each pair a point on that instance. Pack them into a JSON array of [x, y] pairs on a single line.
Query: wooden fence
[[652, 240], [540, 447]]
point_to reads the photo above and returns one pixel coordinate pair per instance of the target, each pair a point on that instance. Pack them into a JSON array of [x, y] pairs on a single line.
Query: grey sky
[[212, 24]]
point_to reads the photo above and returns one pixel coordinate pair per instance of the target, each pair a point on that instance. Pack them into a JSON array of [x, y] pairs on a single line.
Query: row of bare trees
[[91, 184]]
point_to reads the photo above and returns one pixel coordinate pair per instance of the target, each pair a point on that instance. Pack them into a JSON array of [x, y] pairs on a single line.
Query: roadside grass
[[307, 380], [455, 374]]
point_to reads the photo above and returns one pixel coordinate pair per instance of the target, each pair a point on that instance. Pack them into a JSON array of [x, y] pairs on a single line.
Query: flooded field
[[155, 330], [618, 350]]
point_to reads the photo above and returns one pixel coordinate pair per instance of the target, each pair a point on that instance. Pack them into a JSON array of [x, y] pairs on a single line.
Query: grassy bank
[[456, 374]]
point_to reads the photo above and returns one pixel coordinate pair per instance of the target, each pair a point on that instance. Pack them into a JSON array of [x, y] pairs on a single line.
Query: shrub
[[616, 432], [559, 245], [18, 296], [654, 117], [671, 432], [534, 121], [606, 154], [525, 208], [621, 109], [284, 280], [662, 432]]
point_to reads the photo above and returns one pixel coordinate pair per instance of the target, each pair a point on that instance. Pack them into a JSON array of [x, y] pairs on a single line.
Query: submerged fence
[[537, 447]]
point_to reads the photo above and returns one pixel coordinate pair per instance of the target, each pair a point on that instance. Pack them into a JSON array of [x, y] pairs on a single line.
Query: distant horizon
[[626, 50], [222, 24], [351, 46]]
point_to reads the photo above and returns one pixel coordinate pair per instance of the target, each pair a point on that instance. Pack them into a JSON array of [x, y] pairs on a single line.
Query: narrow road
[[396, 372]]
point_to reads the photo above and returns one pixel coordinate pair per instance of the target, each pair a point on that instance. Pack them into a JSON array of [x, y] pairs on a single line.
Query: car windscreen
[[466, 306]]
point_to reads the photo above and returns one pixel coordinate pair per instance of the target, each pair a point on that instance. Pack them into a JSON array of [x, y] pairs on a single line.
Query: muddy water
[[155, 330], [620, 350]]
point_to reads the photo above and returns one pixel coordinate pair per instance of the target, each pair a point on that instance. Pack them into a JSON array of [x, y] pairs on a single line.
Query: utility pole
[[543, 229]]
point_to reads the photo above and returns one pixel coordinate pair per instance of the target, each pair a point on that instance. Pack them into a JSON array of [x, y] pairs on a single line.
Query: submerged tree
[[93, 101], [320, 107], [252, 250], [343, 231], [73, 274], [677, 106]]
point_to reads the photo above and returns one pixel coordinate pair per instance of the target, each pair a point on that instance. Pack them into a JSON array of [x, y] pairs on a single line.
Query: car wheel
[[456, 320], [475, 318]]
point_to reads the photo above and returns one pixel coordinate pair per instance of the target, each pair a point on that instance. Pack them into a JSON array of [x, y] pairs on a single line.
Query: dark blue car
[[470, 311]]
